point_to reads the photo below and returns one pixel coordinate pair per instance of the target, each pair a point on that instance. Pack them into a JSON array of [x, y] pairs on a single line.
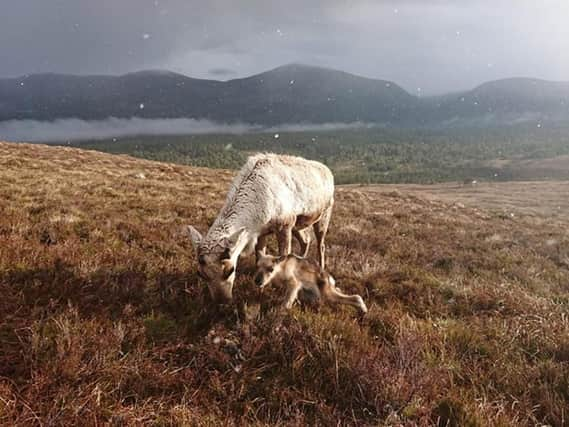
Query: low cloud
[[76, 129], [220, 72], [320, 127], [491, 119]]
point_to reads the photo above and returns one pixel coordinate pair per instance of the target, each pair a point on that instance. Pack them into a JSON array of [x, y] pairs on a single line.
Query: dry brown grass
[[534, 201], [556, 167], [104, 320]]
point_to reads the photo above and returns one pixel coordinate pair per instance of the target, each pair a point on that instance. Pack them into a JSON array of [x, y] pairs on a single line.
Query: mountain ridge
[[291, 93]]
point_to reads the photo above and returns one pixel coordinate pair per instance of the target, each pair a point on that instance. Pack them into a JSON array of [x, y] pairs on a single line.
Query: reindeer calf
[[300, 274]]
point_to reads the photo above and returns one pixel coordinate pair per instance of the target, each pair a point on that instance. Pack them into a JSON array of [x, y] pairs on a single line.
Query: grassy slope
[[104, 320]]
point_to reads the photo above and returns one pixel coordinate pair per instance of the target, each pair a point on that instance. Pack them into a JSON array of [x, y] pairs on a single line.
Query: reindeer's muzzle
[[221, 295]]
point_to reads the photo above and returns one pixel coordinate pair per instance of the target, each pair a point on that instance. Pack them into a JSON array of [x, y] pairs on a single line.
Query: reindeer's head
[[217, 261], [267, 268]]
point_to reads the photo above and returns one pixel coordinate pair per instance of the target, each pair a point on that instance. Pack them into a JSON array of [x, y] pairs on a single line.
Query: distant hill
[[504, 101], [289, 94], [299, 93]]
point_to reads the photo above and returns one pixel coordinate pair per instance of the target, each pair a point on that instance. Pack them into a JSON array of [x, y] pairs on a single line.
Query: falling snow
[[141, 106]]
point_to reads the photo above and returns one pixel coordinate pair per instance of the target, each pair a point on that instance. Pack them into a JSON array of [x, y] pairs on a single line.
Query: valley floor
[[103, 319], [542, 201]]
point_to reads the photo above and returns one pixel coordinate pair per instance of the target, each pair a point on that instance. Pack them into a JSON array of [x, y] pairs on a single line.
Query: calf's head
[[267, 269], [217, 261]]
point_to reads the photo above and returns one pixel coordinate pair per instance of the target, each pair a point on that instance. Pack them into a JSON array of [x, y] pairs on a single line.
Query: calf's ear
[[262, 255], [195, 236]]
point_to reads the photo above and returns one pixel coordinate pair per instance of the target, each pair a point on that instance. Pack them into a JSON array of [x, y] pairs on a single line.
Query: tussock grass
[[104, 321]]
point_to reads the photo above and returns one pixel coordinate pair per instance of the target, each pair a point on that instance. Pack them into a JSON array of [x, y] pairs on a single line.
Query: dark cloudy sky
[[427, 46]]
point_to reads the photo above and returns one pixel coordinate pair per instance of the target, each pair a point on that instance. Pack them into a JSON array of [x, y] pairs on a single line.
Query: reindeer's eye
[[228, 273], [226, 254], [270, 269]]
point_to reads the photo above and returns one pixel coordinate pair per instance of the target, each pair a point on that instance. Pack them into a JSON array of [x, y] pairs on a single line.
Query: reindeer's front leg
[[284, 237], [260, 246], [303, 237]]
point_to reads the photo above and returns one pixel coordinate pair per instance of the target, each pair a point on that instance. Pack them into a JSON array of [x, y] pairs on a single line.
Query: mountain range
[[289, 94]]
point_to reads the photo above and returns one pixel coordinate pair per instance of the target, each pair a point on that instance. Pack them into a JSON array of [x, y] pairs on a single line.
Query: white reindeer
[[271, 194]]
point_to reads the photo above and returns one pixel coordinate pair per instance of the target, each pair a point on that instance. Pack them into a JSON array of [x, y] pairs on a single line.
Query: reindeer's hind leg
[[332, 294], [320, 230], [303, 237]]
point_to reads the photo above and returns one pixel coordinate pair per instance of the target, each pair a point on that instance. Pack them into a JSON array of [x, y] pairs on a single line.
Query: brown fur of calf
[[298, 274]]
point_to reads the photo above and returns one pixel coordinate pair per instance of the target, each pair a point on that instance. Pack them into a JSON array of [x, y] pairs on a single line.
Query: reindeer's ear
[[195, 236]]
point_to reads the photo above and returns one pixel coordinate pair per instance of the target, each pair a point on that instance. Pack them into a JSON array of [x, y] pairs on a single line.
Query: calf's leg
[[334, 295], [293, 286]]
